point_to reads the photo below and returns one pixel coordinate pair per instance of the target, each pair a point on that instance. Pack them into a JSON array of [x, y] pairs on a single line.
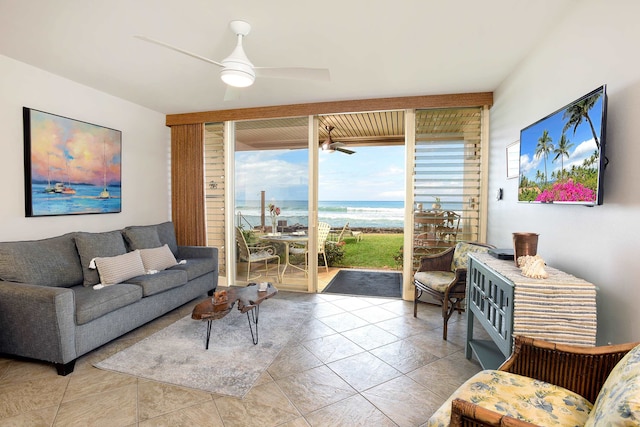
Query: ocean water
[[85, 201], [377, 214]]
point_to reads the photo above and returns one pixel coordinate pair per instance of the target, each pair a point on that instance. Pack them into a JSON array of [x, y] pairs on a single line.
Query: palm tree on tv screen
[[579, 111], [562, 150], [543, 148]]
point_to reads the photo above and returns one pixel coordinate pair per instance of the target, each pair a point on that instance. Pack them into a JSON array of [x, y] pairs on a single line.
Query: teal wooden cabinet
[[490, 300], [560, 308]]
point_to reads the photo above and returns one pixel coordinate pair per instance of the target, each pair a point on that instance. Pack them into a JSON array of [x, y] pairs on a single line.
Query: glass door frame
[[230, 246]]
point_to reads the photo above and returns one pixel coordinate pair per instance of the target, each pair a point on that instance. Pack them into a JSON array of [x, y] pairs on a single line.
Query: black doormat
[[366, 282]]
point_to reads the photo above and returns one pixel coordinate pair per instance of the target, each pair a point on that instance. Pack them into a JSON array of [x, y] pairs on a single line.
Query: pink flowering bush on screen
[[567, 191]]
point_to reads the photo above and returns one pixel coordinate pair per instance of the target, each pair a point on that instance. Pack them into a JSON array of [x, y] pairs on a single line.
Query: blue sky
[[583, 142], [372, 173]]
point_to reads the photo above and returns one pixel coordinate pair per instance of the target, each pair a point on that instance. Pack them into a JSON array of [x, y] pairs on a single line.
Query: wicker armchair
[[443, 276], [581, 370]]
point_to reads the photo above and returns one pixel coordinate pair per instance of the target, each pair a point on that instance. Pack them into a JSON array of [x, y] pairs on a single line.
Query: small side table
[[248, 298]]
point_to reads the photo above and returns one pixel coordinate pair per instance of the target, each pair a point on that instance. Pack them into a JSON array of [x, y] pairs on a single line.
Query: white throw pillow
[[156, 259], [117, 269]]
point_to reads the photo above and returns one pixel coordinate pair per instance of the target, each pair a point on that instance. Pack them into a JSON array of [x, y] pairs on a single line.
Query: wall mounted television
[[562, 157]]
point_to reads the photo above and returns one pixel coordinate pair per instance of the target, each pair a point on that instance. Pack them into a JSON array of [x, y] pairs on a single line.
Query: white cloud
[[372, 173], [583, 151], [527, 164]]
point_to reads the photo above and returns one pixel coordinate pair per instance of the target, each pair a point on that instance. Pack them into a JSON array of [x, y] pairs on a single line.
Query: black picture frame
[[71, 167]]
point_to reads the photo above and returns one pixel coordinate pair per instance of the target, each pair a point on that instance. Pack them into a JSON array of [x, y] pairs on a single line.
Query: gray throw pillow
[[47, 262], [142, 237], [92, 245]]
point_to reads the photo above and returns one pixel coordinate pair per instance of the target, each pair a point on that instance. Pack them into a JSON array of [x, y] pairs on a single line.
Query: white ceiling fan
[[238, 71]]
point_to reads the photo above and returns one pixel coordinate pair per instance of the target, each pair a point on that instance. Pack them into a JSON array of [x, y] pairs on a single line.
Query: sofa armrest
[[464, 413], [186, 252], [37, 322], [582, 370]]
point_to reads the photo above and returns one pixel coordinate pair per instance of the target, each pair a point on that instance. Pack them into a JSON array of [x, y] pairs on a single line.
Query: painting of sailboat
[[71, 167], [104, 194]]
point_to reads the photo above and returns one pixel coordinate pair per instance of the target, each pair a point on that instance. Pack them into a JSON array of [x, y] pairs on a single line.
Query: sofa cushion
[[47, 262], [141, 237], [519, 397], [159, 282], [196, 267], [156, 259], [92, 245], [117, 269], [618, 403], [91, 304]]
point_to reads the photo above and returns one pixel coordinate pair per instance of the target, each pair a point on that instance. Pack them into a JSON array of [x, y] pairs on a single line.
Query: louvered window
[[214, 189], [447, 178]]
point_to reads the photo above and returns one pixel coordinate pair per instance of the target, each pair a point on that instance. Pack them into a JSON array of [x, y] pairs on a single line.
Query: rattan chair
[[443, 276], [582, 370]]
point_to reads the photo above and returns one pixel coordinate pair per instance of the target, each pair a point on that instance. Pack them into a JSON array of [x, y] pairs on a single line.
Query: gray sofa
[[52, 310]]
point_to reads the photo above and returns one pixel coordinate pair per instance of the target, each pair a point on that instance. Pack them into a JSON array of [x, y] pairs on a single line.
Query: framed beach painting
[[71, 167]]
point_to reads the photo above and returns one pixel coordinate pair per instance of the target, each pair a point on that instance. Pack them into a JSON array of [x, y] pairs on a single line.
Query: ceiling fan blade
[[344, 150], [177, 49], [300, 73]]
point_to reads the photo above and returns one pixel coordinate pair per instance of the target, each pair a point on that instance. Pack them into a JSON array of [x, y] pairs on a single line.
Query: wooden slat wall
[[447, 166], [187, 184], [215, 189]]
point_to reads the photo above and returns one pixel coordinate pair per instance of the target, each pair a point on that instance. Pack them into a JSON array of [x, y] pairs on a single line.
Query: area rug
[[366, 282], [177, 355]]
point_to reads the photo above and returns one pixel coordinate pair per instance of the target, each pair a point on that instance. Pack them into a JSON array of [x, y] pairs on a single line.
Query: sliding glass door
[[271, 199]]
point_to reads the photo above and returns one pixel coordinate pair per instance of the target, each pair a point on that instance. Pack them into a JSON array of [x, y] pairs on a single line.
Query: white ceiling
[[373, 48]]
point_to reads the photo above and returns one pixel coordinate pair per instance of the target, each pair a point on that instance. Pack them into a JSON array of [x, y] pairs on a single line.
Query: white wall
[[145, 152], [596, 43]]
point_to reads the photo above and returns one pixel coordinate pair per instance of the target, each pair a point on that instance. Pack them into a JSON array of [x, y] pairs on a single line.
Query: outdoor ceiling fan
[[331, 146], [238, 71]]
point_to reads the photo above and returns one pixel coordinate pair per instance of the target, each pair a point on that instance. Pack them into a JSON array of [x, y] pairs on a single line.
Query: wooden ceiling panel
[[359, 129]]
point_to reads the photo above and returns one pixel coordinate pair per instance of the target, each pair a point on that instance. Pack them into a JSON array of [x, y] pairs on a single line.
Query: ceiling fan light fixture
[[237, 78], [238, 70]]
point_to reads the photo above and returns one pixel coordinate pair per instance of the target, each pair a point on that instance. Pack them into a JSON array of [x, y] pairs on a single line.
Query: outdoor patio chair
[[323, 233], [335, 237], [254, 254], [443, 276], [355, 234]]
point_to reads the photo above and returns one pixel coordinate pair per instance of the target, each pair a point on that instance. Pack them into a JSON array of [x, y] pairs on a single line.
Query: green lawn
[[373, 251]]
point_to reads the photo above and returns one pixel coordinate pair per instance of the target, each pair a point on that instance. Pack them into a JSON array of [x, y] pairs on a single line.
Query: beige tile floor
[[358, 362]]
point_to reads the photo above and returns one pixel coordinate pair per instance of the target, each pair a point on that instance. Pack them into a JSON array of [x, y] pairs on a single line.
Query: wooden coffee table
[[248, 298]]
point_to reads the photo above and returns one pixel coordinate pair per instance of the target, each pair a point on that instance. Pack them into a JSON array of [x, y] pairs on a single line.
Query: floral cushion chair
[[507, 398], [443, 276]]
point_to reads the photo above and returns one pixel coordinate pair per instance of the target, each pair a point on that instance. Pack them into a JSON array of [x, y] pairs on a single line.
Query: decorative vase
[[274, 225], [524, 244]]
